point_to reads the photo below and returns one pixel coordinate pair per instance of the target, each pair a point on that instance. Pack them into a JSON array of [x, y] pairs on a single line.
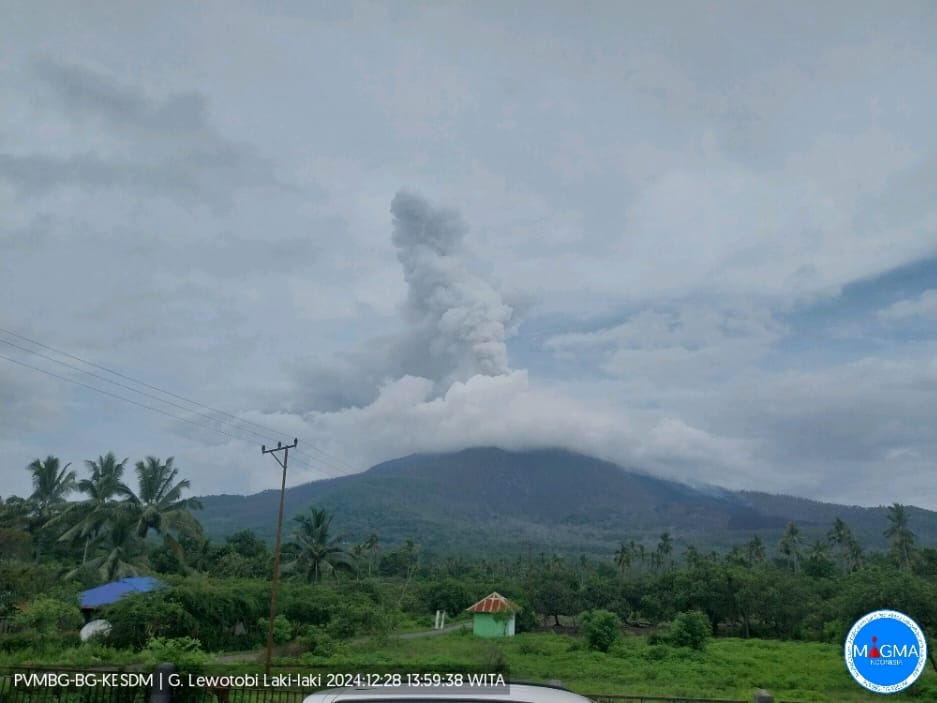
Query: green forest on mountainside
[[656, 599]]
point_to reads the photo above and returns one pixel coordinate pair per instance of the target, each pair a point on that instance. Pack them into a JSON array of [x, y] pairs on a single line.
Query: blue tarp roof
[[115, 590]]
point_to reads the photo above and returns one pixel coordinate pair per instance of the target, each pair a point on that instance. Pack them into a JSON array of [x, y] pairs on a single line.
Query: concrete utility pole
[[276, 549]]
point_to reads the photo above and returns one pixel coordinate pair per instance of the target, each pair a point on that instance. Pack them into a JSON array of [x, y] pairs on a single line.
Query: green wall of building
[[488, 625]]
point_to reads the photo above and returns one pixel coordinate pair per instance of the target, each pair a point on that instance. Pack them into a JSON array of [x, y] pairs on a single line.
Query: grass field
[[806, 672], [728, 668]]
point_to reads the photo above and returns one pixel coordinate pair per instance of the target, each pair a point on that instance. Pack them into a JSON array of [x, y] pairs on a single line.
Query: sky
[[695, 238]]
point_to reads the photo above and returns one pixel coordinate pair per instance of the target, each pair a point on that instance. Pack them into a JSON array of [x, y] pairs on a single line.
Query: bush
[[310, 609], [136, 618], [689, 629], [22, 640], [448, 595], [49, 617], [352, 619], [282, 629], [216, 607], [185, 652], [600, 628], [317, 641]]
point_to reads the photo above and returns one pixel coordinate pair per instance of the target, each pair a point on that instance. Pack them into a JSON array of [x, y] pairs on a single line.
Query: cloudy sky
[[699, 239]]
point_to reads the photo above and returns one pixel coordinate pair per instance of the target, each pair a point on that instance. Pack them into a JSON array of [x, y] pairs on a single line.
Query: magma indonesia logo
[[885, 651]]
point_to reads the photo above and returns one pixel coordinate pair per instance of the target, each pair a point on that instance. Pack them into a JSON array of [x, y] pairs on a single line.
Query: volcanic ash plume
[[461, 317]]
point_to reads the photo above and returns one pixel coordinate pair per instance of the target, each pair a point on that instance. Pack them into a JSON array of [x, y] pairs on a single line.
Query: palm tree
[[106, 478], [642, 554], [664, 549], [99, 508], [357, 556], [623, 557], [790, 545], [841, 537], [755, 552], [854, 554], [119, 551], [317, 551], [818, 561], [158, 505], [900, 535], [52, 483], [370, 545]]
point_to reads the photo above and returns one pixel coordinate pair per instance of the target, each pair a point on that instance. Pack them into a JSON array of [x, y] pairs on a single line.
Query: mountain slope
[[545, 500]]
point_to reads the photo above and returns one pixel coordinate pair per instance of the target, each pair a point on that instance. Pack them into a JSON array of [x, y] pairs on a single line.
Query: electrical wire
[[307, 461], [305, 465], [311, 445]]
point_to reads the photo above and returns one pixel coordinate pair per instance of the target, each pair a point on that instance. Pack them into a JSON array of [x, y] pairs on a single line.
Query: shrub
[[689, 629], [600, 628], [526, 620], [316, 610], [352, 619], [282, 628], [185, 652], [317, 641], [22, 640], [49, 617], [216, 607], [448, 595], [136, 618]]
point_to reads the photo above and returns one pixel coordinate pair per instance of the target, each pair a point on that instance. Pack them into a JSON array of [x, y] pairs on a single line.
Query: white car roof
[[508, 693]]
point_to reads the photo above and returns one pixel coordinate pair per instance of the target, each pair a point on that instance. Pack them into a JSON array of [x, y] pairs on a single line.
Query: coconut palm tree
[[158, 505], [95, 512], [119, 552], [317, 552], [52, 483], [623, 556], [790, 545], [900, 535], [854, 555], [106, 478], [371, 547], [663, 551], [755, 552], [841, 537]]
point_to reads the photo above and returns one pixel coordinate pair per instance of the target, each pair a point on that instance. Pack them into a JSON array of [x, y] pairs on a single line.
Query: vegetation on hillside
[[683, 602]]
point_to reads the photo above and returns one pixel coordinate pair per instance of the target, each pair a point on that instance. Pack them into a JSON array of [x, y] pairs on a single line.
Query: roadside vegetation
[[643, 620]]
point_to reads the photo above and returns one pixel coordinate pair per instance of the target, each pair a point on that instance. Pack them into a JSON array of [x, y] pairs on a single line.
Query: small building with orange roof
[[493, 616]]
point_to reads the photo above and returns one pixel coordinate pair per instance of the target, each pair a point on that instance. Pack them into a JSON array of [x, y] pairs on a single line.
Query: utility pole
[[276, 549]]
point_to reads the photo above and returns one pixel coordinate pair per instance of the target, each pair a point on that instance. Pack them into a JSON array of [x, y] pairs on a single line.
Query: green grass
[[728, 668]]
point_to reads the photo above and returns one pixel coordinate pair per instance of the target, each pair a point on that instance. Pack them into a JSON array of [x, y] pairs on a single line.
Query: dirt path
[[257, 655]]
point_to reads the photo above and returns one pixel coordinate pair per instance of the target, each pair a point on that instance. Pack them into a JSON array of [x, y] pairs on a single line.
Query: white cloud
[[923, 306], [509, 412], [664, 195]]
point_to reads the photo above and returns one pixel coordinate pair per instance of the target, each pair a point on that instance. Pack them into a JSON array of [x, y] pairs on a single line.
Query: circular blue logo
[[885, 651]]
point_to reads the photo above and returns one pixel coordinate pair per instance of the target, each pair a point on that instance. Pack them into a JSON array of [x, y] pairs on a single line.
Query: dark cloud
[[166, 148], [84, 93]]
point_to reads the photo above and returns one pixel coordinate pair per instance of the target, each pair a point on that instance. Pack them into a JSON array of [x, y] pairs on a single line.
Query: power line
[[143, 393], [332, 458], [119, 397], [119, 384], [136, 403]]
